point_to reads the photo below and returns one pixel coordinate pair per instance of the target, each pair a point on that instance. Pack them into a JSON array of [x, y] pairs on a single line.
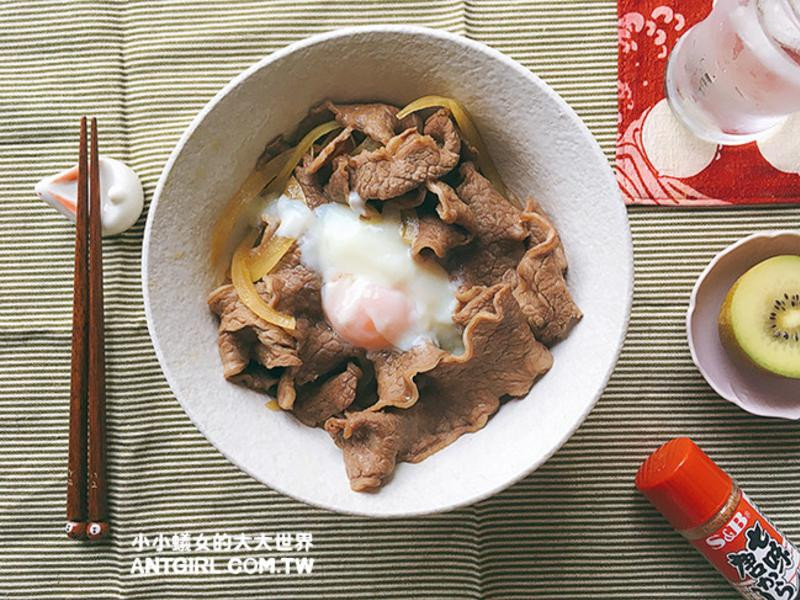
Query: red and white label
[[754, 556]]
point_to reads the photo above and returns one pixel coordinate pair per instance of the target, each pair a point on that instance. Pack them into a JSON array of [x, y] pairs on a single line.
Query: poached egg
[[374, 293]]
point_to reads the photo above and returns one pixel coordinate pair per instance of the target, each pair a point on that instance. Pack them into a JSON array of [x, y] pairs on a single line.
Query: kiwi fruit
[[760, 318]]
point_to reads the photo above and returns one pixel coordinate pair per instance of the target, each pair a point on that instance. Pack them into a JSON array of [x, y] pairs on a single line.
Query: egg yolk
[[366, 314]]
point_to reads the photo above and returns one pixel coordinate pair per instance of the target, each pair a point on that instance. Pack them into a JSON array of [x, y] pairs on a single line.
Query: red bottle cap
[[684, 484]]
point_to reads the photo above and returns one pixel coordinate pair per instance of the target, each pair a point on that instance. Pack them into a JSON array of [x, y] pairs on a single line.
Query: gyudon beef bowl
[[386, 286]]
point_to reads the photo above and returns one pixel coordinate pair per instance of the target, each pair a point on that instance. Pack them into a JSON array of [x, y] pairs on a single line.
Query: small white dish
[[753, 389], [540, 146]]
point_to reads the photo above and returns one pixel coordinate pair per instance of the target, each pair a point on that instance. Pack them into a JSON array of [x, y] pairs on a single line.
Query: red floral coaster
[[659, 161]]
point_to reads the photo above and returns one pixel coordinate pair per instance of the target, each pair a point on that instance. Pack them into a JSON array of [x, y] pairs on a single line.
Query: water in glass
[[736, 74]]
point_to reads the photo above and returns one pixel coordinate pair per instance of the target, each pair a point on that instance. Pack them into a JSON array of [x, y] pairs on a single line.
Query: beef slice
[[450, 208], [332, 149], [406, 161], [309, 182], [292, 287], [395, 372], [485, 263], [441, 128], [317, 402], [320, 350], [495, 217], [338, 187], [376, 120], [255, 339], [541, 288], [431, 233], [458, 395]]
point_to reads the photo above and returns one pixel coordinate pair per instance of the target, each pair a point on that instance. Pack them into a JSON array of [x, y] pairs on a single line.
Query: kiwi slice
[[760, 318]]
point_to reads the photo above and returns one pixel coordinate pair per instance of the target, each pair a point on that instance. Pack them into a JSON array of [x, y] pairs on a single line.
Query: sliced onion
[[251, 188], [367, 144], [261, 262], [304, 145], [467, 128], [274, 176], [243, 283]]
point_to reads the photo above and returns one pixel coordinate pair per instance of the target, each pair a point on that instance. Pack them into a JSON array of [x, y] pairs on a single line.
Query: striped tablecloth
[[574, 529]]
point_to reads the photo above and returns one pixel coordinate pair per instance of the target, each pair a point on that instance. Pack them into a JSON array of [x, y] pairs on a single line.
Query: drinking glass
[[736, 74]]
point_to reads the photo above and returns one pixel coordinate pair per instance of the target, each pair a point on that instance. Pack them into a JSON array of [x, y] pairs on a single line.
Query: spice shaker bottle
[[706, 506]]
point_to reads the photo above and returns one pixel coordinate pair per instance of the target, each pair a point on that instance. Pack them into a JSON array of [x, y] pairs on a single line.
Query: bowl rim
[[768, 234], [473, 45]]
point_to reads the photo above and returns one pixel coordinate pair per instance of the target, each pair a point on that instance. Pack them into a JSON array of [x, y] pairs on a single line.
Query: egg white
[[335, 241]]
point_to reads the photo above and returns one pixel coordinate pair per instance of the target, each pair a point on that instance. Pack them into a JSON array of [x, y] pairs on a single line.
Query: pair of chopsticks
[[87, 511]]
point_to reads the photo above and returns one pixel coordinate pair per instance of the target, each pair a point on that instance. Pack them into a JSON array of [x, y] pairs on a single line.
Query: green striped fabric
[[574, 529]]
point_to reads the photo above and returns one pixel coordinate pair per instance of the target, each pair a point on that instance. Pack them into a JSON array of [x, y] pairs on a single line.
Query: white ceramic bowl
[[541, 148], [747, 386]]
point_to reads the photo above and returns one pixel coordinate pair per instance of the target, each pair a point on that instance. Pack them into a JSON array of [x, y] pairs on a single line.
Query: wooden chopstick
[[87, 443], [76, 467], [97, 512]]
